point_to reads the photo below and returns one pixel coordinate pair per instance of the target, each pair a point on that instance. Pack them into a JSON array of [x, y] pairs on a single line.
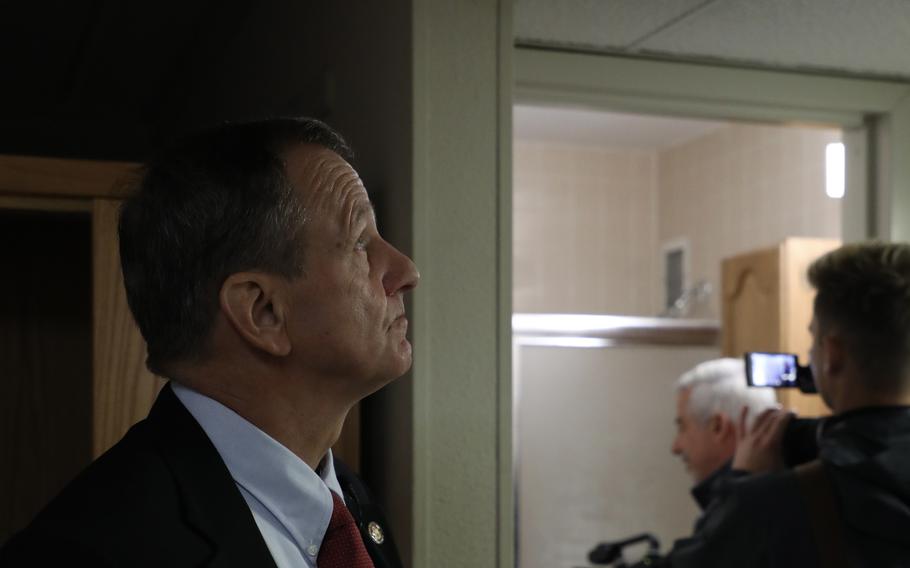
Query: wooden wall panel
[[45, 362], [124, 389]]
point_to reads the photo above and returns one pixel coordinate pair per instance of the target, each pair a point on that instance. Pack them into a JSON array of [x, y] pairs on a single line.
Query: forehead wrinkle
[[348, 193], [348, 187], [334, 190], [327, 181]]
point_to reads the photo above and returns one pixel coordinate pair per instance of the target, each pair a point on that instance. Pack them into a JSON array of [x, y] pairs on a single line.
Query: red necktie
[[342, 546]]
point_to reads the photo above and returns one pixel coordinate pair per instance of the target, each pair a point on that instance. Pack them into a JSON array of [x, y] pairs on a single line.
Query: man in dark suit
[[255, 271]]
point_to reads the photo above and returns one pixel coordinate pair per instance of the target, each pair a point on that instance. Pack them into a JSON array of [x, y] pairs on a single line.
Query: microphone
[[608, 552]]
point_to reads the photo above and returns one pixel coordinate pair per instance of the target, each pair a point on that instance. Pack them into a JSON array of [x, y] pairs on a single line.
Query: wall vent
[[675, 269]]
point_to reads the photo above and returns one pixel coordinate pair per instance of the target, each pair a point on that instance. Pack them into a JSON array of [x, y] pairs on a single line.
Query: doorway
[[620, 224]]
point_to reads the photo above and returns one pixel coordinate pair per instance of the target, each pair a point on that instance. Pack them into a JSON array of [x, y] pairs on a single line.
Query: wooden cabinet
[[72, 361], [767, 306]]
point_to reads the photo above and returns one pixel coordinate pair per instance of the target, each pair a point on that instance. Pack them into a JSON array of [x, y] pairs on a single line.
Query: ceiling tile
[[600, 23], [870, 37], [861, 36]]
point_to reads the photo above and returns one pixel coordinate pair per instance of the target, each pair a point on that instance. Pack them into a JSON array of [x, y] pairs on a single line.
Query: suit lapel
[[213, 505]]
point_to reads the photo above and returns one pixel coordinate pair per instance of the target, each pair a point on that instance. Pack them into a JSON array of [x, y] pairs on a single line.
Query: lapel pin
[[376, 532]]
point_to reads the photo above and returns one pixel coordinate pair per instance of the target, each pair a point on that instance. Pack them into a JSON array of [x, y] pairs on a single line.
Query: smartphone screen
[[775, 370]]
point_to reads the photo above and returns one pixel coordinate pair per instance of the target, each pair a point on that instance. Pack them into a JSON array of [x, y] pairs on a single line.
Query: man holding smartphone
[[850, 507]]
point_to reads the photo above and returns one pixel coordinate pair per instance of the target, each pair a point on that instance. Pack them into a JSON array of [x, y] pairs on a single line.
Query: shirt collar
[[284, 484]]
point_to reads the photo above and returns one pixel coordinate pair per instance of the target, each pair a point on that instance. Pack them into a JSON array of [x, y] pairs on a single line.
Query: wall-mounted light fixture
[[835, 167]]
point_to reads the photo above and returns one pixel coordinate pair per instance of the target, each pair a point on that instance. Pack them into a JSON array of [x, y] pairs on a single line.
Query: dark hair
[[216, 203], [864, 293]]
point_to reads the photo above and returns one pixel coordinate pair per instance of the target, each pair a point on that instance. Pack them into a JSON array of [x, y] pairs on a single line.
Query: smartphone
[[774, 370]]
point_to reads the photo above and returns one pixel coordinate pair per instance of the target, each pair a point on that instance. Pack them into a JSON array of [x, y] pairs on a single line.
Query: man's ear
[[716, 424], [721, 426], [253, 303], [834, 354]]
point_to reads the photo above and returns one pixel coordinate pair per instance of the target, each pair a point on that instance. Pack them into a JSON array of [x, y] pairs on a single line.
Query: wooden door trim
[[57, 204], [63, 177], [123, 389]]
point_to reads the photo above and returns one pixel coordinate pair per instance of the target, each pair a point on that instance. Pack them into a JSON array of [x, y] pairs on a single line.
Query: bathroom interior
[[628, 232]]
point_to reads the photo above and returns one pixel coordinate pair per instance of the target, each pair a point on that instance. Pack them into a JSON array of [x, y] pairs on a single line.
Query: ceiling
[[855, 37], [606, 129]]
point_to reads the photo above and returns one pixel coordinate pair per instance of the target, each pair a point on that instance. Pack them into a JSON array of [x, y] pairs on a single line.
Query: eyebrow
[[361, 210]]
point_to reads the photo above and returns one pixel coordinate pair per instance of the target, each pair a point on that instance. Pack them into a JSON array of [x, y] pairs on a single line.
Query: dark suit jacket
[[162, 496]]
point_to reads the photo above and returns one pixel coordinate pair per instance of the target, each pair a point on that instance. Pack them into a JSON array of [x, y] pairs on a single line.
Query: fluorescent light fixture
[[574, 324], [835, 167], [564, 341]]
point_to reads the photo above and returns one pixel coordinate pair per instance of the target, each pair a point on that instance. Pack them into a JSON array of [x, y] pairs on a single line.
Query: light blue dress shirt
[[290, 502]]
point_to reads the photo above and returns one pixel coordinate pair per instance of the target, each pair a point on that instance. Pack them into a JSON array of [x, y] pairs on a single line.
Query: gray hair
[[719, 387]]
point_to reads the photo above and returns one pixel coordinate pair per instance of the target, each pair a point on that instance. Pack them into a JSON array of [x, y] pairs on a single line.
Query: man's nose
[[402, 275]]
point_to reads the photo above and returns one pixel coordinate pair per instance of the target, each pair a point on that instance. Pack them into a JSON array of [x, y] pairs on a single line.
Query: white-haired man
[[709, 400]]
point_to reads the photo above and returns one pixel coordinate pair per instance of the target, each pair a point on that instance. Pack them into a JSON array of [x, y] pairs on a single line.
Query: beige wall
[[589, 223], [744, 187], [585, 229]]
